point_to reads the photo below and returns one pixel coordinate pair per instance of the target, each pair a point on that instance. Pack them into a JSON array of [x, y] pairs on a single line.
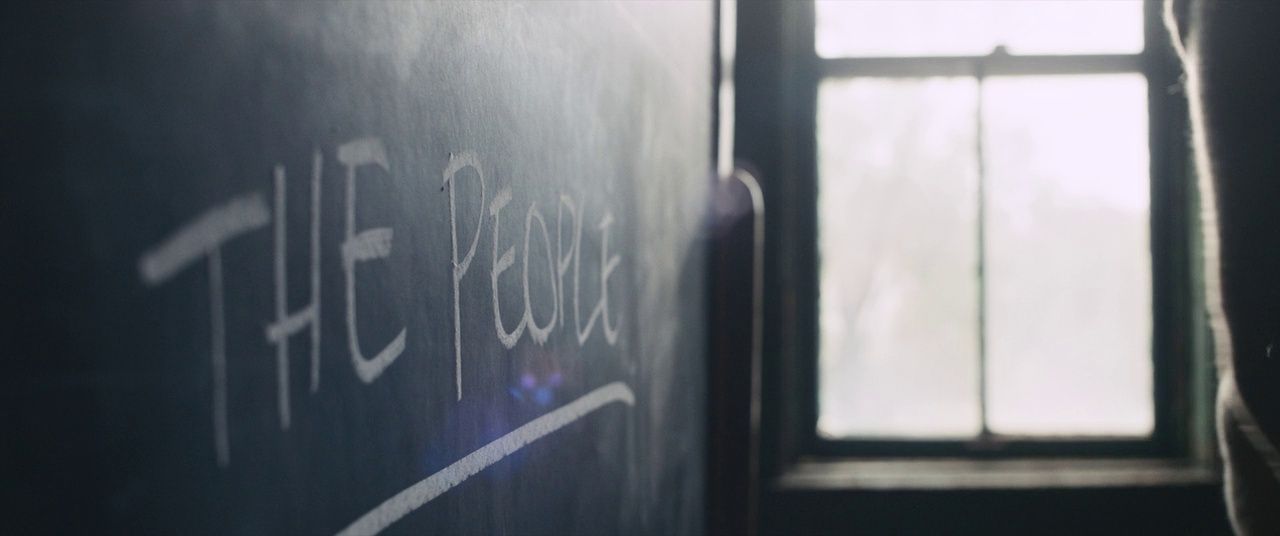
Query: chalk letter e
[[370, 244]]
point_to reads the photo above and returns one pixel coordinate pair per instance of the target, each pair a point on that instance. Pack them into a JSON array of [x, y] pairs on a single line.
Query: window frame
[[782, 145]]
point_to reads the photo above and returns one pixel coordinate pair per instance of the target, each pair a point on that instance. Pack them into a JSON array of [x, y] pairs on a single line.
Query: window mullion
[[980, 75]]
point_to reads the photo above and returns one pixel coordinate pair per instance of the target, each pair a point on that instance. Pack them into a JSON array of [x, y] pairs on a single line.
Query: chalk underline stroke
[[426, 490]]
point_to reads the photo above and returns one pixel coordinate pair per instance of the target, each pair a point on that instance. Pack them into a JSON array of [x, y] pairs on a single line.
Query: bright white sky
[[974, 27], [1067, 198]]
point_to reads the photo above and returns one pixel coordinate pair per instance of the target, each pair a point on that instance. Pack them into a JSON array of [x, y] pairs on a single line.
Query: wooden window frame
[[776, 75]]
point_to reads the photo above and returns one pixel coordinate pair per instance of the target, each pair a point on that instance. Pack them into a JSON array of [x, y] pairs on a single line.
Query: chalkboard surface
[[324, 267]]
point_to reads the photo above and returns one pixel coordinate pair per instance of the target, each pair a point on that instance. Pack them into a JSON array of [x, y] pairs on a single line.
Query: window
[[986, 254], [955, 194]]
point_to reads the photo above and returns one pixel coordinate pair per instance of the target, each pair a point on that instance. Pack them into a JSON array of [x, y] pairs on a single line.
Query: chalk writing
[[204, 237], [539, 334], [427, 489], [285, 325], [500, 264], [370, 244], [458, 163]]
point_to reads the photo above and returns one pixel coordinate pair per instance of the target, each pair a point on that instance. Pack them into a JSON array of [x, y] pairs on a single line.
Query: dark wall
[[183, 177]]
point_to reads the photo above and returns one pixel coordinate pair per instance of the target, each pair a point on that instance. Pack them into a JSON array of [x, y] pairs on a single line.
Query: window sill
[[961, 474]]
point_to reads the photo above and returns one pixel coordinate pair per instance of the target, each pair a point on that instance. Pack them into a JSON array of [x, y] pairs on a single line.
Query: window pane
[[952, 28], [898, 246], [1068, 258]]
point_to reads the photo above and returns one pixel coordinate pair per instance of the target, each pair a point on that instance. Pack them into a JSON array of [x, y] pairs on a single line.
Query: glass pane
[[1068, 257], [898, 244], [949, 27]]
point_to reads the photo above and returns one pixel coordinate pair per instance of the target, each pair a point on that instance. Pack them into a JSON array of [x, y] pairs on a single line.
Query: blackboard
[[355, 267]]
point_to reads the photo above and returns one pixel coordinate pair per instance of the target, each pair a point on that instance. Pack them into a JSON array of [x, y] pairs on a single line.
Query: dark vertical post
[[736, 286]]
